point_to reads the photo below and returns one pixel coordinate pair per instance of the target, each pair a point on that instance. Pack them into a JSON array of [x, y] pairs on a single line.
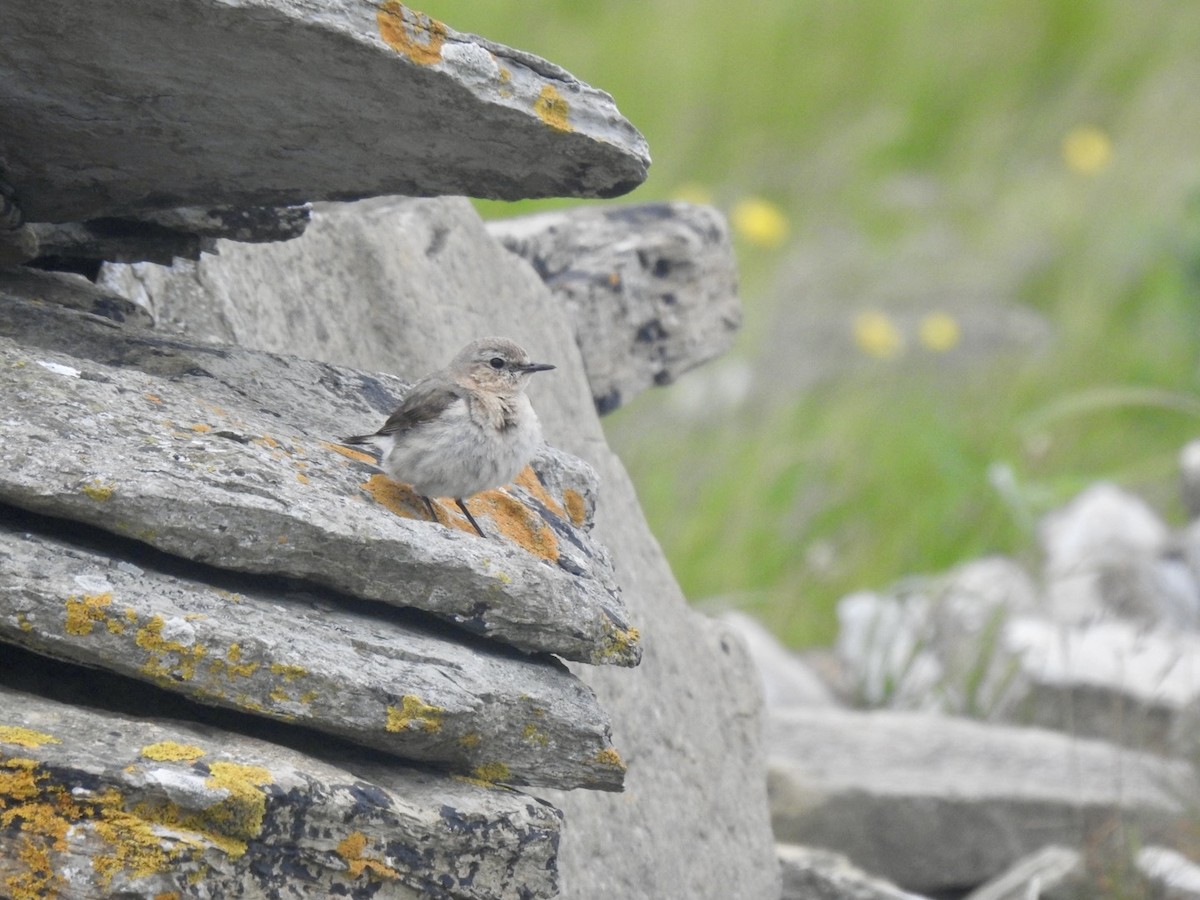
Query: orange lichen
[[528, 479], [351, 849], [153, 398], [552, 109], [576, 507], [83, 613], [357, 455], [169, 751], [302, 478], [401, 499], [201, 428], [420, 39], [521, 525], [414, 714]]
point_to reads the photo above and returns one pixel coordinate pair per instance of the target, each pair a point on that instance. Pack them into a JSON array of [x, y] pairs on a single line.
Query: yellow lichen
[[83, 613], [493, 771], [421, 40], [279, 695], [98, 490], [232, 666], [169, 751], [620, 642], [534, 736], [414, 714], [159, 665], [288, 672], [611, 758], [470, 739], [23, 622], [552, 109], [25, 737], [351, 849]]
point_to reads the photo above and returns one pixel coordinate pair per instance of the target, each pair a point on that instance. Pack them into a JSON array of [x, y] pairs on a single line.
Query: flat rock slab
[[650, 290], [304, 659], [95, 804], [226, 456], [938, 804], [246, 103]]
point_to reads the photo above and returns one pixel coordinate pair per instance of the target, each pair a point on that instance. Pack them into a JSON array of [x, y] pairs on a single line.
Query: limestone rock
[[72, 291], [251, 103], [409, 281], [98, 804], [1041, 874], [306, 659], [226, 456], [650, 290], [936, 804], [786, 679], [812, 874]]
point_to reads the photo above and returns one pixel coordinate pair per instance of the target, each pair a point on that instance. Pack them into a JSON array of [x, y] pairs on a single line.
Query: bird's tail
[[357, 440]]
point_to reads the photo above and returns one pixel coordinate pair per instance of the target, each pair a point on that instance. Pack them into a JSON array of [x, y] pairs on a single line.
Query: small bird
[[465, 428]]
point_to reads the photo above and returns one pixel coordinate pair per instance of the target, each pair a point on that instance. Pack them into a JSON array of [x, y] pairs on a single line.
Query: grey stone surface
[[72, 291], [307, 659], [813, 874], [1043, 873], [650, 290], [96, 804], [1170, 872], [786, 679], [938, 804], [161, 236], [248, 103], [224, 456], [397, 285]]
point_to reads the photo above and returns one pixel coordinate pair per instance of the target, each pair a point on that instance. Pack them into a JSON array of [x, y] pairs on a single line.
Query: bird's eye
[[496, 362]]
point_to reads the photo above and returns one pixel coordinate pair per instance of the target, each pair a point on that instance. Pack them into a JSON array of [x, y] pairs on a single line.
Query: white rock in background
[[1038, 875], [1171, 872], [813, 874]]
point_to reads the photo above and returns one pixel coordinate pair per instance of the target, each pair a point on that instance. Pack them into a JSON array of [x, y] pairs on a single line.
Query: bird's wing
[[427, 400]]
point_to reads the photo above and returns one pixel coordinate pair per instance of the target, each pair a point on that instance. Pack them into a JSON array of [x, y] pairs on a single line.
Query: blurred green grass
[[932, 123]]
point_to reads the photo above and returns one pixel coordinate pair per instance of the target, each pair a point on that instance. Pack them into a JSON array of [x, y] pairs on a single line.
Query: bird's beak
[[537, 367]]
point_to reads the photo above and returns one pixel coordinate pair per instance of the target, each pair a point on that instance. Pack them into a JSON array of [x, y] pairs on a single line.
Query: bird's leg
[[470, 518], [429, 506]]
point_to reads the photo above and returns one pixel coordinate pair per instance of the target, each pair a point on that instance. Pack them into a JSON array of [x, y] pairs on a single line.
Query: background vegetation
[[969, 238]]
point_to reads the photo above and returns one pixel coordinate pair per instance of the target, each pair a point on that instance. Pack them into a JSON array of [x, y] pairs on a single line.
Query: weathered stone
[[938, 804], [160, 236], [786, 679], [96, 804], [1110, 679], [812, 874], [406, 282], [308, 660], [226, 456], [1170, 872], [934, 643], [650, 290], [248, 103], [17, 246], [1041, 874], [72, 291], [1107, 554]]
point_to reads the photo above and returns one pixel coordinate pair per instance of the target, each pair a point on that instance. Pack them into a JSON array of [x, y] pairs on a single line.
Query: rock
[[72, 291], [1110, 679], [275, 102], [786, 679], [939, 804], [226, 456], [1106, 555], [409, 281], [97, 804], [1170, 873], [812, 874], [160, 236], [650, 290], [933, 643], [1044, 873], [308, 659]]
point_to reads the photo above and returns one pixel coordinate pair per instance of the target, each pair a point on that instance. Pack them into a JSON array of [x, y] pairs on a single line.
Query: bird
[[462, 429]]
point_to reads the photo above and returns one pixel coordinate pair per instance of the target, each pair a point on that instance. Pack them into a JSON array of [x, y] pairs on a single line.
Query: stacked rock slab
[[409, 282]]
